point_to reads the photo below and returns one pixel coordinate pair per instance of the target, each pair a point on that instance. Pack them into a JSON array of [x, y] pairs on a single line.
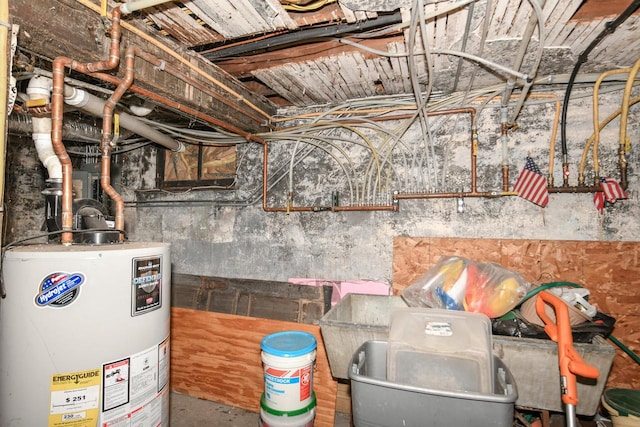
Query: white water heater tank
[[84, 336]]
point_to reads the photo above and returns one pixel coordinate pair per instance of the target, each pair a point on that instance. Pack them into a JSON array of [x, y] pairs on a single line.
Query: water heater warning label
[[146, 285]]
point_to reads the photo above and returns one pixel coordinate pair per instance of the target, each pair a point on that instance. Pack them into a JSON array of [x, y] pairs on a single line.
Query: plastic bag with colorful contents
[[457, 283]]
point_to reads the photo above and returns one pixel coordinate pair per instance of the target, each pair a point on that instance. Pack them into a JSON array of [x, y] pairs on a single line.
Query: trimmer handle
[[570, 362]]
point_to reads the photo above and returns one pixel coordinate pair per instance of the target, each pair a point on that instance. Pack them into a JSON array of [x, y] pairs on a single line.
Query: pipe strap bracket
[[162, 65]]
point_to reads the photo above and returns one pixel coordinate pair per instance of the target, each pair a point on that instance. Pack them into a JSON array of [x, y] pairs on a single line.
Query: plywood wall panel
[[216, 356], [610, 270]]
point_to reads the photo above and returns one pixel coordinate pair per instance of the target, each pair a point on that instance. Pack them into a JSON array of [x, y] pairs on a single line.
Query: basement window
[[196, 167]]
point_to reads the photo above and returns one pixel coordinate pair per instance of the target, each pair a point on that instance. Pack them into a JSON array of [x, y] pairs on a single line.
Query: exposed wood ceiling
[[312, 67], [272, 55]]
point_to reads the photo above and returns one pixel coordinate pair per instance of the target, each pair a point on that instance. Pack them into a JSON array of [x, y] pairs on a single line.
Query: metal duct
[[76, 130]]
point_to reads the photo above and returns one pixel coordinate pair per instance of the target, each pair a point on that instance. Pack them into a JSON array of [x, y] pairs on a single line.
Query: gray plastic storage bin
[[356, 318], [377, 402]]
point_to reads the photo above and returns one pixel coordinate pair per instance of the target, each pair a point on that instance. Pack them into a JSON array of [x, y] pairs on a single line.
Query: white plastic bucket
[[288, 359], [301, 418]]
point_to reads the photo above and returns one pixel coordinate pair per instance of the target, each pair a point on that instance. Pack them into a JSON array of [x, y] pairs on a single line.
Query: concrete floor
[[187, 411]]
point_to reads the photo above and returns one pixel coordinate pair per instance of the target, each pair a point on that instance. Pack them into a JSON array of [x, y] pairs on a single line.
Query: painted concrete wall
[[226, 233], [211, 236]]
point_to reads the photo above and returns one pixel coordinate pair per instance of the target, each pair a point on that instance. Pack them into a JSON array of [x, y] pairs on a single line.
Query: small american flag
[[532, 185], [611, 191], [598, 200]]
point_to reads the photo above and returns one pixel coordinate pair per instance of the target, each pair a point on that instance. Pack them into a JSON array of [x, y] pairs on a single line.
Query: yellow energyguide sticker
[[75, 399]]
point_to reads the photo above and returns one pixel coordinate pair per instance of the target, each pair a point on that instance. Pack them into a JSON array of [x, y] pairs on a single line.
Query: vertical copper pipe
[[265, 175], [107, 137], [57, 104], [504, 130], [474, 158]]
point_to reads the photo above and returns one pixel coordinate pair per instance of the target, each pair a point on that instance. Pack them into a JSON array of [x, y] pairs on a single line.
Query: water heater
[[84, 333]]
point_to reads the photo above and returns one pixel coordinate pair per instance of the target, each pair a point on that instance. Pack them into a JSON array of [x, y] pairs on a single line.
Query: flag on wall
[[611, 191], [532, 185]]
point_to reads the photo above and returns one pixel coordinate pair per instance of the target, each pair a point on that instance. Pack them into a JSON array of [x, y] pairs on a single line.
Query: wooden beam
[[243, 67], [598, 9], [50, 28]]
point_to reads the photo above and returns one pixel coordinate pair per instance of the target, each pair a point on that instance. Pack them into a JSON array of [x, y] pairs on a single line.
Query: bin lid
[[289, 343], [625, 401]]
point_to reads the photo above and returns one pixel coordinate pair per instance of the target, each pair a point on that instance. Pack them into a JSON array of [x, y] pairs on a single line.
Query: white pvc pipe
[[95, 106], [132, 6], [40, 88]]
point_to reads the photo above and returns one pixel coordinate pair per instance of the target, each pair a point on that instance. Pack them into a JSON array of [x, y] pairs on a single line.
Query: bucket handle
[[570, 362]]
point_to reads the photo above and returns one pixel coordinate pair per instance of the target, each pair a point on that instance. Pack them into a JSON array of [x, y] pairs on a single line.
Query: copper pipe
[[489, 194], [287, 209], [107, 136], [57, 105], [575, 189], [505, 177], [622, 163], [504, 131], [469, 110], [114, 48], [448, 195], [180, 107], [160, 64], [474, 159], [393, 207]]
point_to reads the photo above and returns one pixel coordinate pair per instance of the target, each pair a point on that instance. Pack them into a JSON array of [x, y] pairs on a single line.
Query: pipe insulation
[[95, 106], [39, 88]]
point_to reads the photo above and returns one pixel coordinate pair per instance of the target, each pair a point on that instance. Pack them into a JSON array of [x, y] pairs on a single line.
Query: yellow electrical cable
[[596, 120], [309, 7], [601, 126], [184, 61], [554, 128], [624, 115]]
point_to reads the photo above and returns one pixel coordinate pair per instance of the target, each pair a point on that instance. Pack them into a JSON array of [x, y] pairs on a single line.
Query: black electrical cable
[[609, 28], [3, 293], [299, 36]]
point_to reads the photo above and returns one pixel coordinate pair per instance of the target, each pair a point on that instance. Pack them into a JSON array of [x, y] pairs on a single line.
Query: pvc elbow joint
[[39, 87], [76, 97]]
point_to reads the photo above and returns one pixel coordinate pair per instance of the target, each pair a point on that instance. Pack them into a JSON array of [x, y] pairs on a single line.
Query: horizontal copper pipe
[[393, 208], [449, 195], [289, 209], [160, 64], [575, 189], [180, 107]]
